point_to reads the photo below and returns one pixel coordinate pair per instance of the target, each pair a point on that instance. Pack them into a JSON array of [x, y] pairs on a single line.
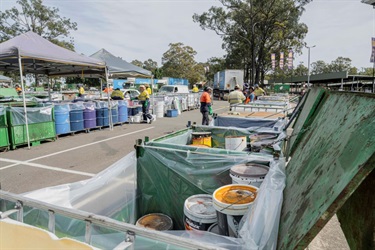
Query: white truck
[[226, 80]]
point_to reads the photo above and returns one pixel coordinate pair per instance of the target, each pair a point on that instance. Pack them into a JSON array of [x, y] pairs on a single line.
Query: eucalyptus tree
[[340, 64], [137, 63], [300, 70], [253, 29], [319, 67], [213, 65], [178, 61], [150, 65], [32, 15]]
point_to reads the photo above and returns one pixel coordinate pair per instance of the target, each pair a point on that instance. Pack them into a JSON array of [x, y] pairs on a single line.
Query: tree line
[[250, 30]]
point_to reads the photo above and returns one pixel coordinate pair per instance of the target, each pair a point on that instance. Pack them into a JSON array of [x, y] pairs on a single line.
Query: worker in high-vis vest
[[236, 97], [195, 89], [117, 94], [149, 90], [144, 100]]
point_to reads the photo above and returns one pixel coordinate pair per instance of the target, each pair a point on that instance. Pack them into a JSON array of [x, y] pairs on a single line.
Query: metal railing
[[130, 231]]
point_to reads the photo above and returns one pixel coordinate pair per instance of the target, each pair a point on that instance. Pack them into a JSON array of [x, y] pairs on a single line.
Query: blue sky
[[143, 29]]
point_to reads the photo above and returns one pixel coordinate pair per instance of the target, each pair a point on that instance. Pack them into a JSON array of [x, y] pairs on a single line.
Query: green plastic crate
[[41, 126]]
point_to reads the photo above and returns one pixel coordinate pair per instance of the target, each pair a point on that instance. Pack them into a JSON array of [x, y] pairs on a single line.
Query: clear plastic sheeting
[[34, 115], [114, 104], [76, 106], [177, 173], [101, 104], [167, 175], [2, 116], [261, 223], [111, 193], [89, 105]]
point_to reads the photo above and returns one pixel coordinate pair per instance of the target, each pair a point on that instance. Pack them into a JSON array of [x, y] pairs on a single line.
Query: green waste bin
[[4, 139], [40, 123]]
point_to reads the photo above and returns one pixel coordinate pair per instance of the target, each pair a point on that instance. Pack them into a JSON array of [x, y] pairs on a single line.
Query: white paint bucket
[[249, 174], [137, 118], [199, 213], [159, 109], [155, 221], [231, 203], [237, 143]]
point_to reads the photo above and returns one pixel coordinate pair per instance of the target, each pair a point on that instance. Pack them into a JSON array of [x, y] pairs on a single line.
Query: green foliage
[[137, 63], [213, 65], [340, 64], [366, 71], [34, 16], [93, 82], [178, 61], [252, 30], [150, 65], [158, 73], [300, 70], [319, 67]]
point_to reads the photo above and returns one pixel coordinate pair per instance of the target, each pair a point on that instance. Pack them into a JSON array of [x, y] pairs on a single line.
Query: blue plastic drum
[[99, 117], [76, 117], [102, 119], [62, 119], [105, 117], [114, 111], [122, 111], [89, 115]]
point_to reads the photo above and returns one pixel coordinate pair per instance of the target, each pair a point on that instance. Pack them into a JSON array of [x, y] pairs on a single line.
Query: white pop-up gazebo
[[30, 53]]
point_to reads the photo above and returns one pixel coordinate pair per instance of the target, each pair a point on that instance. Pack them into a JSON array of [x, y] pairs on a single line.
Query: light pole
[[308, 64], [252, 55]]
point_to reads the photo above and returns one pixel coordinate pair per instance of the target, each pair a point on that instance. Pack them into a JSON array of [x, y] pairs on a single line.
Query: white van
[[169, 89]]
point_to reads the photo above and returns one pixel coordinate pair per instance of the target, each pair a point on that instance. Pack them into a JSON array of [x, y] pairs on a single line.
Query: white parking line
[[28, 162], [43, 166], [89, 144]]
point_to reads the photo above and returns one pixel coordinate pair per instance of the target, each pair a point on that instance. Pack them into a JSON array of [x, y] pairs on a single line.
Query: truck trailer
[[226, 80]]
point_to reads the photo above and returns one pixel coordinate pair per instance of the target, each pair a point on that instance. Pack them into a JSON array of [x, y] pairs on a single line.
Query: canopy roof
[[119, 68], [40, 56]]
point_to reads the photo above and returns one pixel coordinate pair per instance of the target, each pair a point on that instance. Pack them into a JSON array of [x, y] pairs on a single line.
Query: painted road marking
[[43, 166], [28, 162]]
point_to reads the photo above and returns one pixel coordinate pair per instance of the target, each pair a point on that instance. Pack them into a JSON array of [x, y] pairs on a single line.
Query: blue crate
[[172, 113]]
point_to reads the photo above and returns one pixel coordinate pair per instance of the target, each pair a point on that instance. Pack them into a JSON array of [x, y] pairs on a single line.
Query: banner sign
[[373, 49], [281, 60], [290, 59], [273, 60]]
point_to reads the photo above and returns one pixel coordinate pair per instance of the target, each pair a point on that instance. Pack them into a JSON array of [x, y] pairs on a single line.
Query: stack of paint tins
[[199, 213], [155, 221], [159, 109], [231, 203], [249, 173]]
